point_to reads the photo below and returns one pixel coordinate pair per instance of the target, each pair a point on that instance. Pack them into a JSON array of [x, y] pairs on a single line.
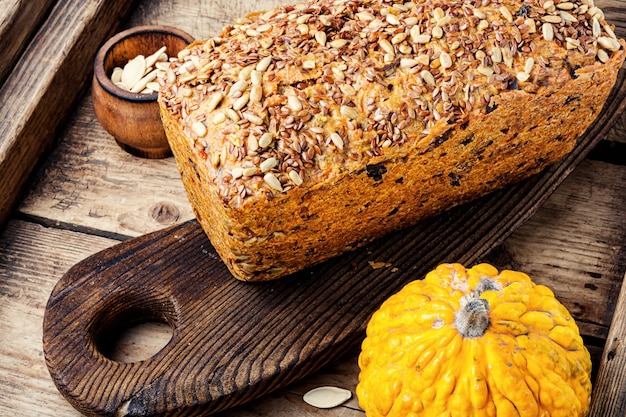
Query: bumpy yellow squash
[[474, 342]]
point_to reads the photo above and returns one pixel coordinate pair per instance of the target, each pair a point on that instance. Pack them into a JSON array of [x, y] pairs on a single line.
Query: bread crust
[[379, 176]]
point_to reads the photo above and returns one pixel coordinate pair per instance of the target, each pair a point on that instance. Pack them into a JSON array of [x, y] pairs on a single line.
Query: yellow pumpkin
[[473, 342]]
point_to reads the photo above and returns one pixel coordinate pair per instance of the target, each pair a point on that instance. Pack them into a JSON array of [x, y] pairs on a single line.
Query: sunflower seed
[[547, 31], [392, 19], [567, 17], [199, 129], [264, 64], [232, 115], [295, 177], [238, 87], [347, 89], [336, 140], [320, 37], [214, 101], [244, 74], [219, 117], [408, 62], [294, 103], [338, 43], [250, 171], [398, 38], [253, 118], [349, 112], [256, 77], [268, 164], [484, 70], [256, 94], [551, 18], [237, 172], [386, 46], [608, 43], [272, 181], [241, 102], [506, 13], [445, 60], [428, 77], [265, 140]]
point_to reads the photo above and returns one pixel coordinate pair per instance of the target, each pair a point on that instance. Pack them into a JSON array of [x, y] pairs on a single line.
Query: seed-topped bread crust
[[311, 129]]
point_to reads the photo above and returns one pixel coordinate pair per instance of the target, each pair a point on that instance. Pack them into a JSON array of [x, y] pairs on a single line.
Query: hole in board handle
[[134, 327]]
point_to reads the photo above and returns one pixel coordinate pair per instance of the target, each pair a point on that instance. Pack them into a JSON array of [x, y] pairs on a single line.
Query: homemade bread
[[312, 129]]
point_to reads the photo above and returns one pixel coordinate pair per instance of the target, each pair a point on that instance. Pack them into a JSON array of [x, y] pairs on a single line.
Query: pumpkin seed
[[116, 76], [140, 85], [157, 56], [327, 397], [133, 71]]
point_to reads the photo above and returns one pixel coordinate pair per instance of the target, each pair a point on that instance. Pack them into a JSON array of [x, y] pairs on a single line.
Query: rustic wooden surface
[[84, 199], [19, 19], [610, 399], [42, 87]]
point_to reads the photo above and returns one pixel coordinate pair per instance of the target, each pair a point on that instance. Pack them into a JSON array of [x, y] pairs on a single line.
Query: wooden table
[[86, 194]]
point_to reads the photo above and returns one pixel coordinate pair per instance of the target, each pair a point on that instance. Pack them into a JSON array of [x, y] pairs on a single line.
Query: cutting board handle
[[231, 341]]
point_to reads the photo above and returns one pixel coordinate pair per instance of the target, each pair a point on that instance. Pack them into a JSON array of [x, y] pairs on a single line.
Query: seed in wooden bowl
[[139, 73]]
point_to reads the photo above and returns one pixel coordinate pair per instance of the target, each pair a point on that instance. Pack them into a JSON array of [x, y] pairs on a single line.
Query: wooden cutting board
[[234, 341]]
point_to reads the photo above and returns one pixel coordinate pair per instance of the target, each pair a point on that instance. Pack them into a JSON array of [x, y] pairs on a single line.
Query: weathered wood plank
[[19, 19], [32, 258], [608, 396], [80, 182], [37, 98]]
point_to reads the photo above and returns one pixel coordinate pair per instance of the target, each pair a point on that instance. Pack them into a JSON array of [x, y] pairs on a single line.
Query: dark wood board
[[234, 341]]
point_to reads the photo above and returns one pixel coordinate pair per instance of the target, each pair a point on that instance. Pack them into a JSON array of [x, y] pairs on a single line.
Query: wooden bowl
[[133, 119]]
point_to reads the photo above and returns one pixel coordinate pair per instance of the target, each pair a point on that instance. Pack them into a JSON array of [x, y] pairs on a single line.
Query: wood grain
[[31, 260], [19, 19], [608, 396], [37, 98], [76, 183]]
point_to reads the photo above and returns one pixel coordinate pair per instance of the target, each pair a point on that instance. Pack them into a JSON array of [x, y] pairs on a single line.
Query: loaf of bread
[[310, 130]]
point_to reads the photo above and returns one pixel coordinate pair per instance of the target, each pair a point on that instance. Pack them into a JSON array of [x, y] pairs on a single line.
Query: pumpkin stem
[[473, 319]]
